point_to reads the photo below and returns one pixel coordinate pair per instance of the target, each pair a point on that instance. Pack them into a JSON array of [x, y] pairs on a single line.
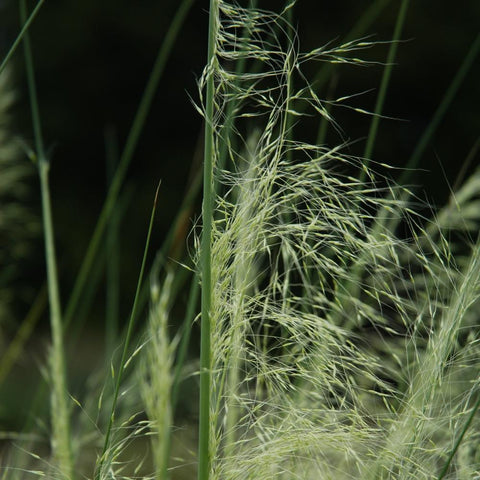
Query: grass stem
[[126, 158], [23, 31], [387, 72], [206, 273], [61, 443]]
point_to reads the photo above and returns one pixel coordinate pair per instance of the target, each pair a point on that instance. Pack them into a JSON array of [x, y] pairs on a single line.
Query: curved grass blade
[[126, 158], [473, 412], [441, 109], [23, 31], [126, 342], [392, 51], [17, 345]]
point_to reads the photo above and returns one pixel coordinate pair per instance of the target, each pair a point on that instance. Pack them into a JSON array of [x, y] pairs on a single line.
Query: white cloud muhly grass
[[338, 349], [332, 339]]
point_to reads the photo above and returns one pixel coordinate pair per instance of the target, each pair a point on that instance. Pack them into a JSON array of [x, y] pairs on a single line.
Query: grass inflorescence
[[339, 312]]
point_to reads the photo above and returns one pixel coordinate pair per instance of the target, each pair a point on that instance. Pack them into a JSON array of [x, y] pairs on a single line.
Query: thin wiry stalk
[[392, 51], [112, 253], [61, 442], [442, 108], [126, 157], [19, 38], [459, 440], [103, 466]]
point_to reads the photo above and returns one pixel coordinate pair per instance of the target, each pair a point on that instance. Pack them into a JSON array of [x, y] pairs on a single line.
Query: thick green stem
[[206, 273]]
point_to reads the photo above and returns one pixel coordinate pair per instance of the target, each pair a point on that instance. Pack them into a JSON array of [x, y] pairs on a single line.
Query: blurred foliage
[[92, 60]]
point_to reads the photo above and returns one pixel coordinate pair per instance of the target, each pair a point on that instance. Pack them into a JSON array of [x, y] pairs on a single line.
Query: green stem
[[459, 439], [126, 342], [206, 273], [441, 109], [60, 415], [387, 72], [17, 345], [112, 253], [61, 445], [431, 129], [20, 36], [184, 342], [126, 157]]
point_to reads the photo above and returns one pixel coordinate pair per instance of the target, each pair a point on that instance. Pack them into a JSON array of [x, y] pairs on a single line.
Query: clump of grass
[[337, 324], [304, 378]]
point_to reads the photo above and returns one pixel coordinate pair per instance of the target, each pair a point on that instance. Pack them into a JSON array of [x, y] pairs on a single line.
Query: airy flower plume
[[333, 339]]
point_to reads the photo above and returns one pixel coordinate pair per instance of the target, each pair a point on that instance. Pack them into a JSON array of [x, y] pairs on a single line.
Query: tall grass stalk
[[442, 108], [126, 157], [104, 464], [20, 36], [61, 441], [384, 85], [206, 267], [112, 252]]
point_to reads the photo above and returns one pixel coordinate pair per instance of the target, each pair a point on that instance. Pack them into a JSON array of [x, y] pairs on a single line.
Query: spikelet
[[323, 321]]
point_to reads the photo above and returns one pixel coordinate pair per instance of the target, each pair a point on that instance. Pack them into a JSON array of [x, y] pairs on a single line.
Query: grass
[[339, 312]]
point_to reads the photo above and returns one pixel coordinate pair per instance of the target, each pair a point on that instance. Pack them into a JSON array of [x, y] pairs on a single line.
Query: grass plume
[[338, 320]]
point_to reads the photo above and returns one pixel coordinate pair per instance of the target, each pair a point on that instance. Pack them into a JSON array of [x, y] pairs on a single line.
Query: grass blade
[[126, 158], [126, 343], [384, 85], [23, 31]]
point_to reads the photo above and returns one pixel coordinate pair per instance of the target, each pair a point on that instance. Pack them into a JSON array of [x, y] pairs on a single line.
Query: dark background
[[93, 58]]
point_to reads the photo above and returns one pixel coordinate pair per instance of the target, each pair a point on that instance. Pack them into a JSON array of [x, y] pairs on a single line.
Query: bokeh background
[[92, 61]]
